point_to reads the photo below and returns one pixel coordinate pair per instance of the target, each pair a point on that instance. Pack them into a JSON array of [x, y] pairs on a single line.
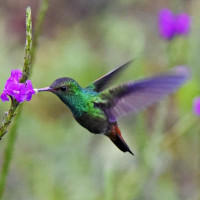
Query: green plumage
[[81, 102]]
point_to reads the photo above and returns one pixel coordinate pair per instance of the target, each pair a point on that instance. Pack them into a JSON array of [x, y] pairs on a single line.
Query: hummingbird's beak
[[46, 89]]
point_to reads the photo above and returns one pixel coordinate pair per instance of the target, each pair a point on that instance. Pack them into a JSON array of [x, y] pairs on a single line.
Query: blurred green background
[[54, 157]]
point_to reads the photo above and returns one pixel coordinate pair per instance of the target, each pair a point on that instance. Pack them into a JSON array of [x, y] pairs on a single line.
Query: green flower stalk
[[30, 50], [28, 47], [15, 106], [26, 68]]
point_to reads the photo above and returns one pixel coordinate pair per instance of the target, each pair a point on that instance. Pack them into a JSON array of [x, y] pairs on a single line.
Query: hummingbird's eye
[[63, 88]]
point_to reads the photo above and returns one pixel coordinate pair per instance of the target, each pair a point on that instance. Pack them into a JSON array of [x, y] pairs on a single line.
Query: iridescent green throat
[[78, 99]]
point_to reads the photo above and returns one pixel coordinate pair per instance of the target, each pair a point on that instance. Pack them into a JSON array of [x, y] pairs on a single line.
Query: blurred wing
[[134, 96], [103, 81]]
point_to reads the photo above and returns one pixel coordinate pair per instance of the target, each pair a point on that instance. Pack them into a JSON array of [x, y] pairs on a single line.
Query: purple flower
[[16, 74], [171, 25], [17, 90], [196, 105], [166, 24], [182, 24]]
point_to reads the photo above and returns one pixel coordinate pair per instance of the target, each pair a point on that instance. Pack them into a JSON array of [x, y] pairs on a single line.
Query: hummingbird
[[98, 107]]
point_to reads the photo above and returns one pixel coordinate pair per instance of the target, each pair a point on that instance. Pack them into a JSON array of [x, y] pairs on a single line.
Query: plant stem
[[29, 58], [30, 49], [14, 105], [8, 154], [26, 68], [9, 116]]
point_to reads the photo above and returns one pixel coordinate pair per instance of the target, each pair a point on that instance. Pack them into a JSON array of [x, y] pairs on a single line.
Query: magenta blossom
[[171, 25], [17, 90], [196, 105]]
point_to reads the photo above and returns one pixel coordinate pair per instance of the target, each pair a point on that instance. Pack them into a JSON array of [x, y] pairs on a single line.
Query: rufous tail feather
[[115, 136]]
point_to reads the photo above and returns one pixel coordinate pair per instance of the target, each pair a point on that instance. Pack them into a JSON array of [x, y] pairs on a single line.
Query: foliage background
[[54, 157]]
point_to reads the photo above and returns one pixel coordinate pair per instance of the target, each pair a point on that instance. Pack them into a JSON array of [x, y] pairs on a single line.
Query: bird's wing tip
[[182, 70]]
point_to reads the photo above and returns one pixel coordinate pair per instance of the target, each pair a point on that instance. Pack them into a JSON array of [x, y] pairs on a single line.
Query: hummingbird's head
[[62, 86]]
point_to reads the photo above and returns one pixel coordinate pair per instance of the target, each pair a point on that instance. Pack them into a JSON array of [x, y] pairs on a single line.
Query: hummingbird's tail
[[115, 136]]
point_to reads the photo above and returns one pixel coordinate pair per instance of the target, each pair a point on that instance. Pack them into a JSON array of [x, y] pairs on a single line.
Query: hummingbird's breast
[[96, 124], [84, 111], [93, 118]]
